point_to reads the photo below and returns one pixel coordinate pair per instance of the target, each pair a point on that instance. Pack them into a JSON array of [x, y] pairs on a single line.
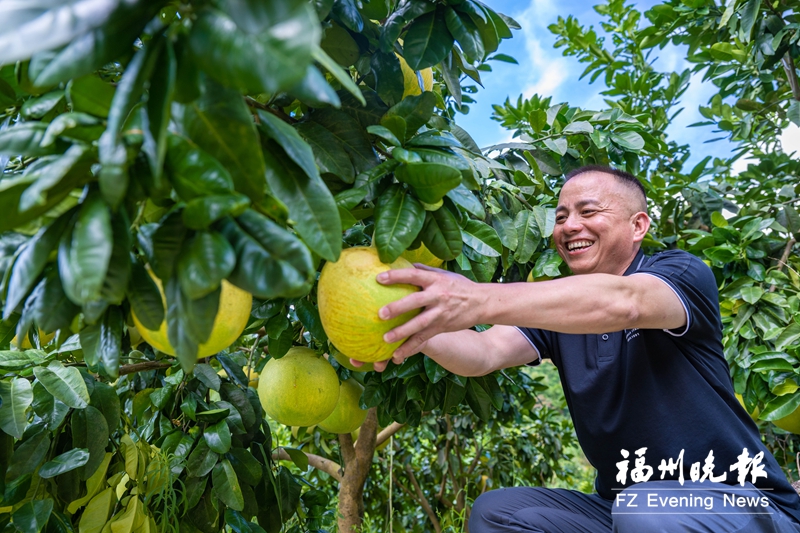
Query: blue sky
[[544, 70]]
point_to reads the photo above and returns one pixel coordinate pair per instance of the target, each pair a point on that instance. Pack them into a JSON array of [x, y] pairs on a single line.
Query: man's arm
[[591, 303], [471, 353]]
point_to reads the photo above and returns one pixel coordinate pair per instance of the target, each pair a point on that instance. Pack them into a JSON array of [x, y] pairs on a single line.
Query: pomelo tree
[[154, 152]]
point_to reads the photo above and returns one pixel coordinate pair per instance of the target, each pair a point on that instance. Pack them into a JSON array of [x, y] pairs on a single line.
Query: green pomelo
[[345, 362], [349, 298], [347, 416], [299, 389]]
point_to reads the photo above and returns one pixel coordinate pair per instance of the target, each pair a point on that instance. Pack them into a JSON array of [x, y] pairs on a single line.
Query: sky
[[544, 70]]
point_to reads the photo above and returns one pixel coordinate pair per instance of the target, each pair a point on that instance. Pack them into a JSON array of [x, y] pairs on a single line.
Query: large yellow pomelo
[[345, 362], [424, 256], [531, 279], [231, 319], [299, 389], [347, 416], [415, 82], [790, 422], [349, 298], [44, 338]]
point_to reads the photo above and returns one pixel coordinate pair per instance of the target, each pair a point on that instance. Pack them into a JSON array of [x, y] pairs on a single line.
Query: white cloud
[[790, 139]]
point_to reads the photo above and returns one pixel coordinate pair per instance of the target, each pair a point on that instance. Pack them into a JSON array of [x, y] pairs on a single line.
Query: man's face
[[598, 227]]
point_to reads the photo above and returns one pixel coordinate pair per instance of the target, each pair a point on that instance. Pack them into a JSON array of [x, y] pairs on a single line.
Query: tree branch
[[143, 367], [348, 450], [387, 432], [791, 75], [423, 501], [365, 447], [320, 463], [782, 262]]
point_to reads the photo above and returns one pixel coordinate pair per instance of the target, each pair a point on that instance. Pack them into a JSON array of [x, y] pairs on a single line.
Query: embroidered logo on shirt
[[631, 334]]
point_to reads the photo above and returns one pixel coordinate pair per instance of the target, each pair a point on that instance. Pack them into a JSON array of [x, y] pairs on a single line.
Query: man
[[637, 341]]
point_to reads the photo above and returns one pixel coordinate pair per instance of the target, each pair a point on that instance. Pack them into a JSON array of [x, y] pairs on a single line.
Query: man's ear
[[641, 225]]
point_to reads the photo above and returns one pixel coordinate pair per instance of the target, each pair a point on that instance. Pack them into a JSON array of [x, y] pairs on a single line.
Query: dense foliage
[[250, 142]]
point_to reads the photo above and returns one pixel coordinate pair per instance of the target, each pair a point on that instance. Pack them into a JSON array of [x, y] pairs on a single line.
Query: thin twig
[[791, 75], [782, 262], [320, 463], [143, 367], [423, 501]]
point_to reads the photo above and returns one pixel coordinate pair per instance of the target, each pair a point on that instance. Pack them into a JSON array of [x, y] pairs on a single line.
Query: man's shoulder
[[674, 261]]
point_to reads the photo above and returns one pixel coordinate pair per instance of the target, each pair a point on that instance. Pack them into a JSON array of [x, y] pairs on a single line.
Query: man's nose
[[572, 224]]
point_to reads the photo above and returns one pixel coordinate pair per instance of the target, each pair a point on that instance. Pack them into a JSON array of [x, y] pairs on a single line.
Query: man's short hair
[[626, 178]]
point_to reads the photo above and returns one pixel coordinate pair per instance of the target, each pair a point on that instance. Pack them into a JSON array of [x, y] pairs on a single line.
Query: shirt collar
[[636, 263]]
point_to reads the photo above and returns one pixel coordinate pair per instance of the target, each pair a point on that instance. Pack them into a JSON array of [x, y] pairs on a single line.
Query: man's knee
[[492, 511]]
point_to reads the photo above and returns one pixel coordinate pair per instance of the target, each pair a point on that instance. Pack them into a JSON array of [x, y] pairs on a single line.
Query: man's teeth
[[578, 244]]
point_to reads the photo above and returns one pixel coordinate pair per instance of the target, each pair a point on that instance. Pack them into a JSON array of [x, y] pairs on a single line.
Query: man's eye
[[588, 212], [560, 219]]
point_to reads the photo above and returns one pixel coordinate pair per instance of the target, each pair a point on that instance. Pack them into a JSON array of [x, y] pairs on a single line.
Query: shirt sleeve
[[695, 286], [540, 341]]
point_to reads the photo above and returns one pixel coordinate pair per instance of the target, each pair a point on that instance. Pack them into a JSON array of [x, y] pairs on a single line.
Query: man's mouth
[[575, 246]]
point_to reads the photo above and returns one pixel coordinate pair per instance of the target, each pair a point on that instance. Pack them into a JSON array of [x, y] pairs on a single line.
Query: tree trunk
[[357, 461]]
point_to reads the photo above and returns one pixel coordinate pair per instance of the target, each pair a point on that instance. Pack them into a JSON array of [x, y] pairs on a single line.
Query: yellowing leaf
[[95, 517], [93, 485]]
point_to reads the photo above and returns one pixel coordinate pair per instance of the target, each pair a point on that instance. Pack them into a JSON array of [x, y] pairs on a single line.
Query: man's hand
[[451, 302]]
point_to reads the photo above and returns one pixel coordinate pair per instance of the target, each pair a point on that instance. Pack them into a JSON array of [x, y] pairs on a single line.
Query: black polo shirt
[[665, 391]]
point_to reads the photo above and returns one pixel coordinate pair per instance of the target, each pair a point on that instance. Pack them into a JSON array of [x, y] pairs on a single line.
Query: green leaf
[[26, 139], [17, 397], [256, 47], [90, 432], [430, 181], [64, 383], [90, 94], [29, 264], [442, 234], [399, 217], [32, 516], [194, 172], [482, 238], [247, 468], [434, 370], [466, 33], [204, 262], [298, 457], [462, 197], [752, 294], [479, 400], [291, 142], [29, 455], [48, 173], [339, 45], [529, 236], [66, 462], [314, 90], [18, 360], [218, 437], [329, 153], [579, 126], [39, 106], [220, 123], [270, 261], [85, 252], [201, 460], [389, 83], [202, 212], [416, 111], [145, 297], [427, 41], [789, 336], [628, 140], [104, 398], [749, 15], [50, 410], [207, 376], [226, 485], [156, 114], [310, 202], [780, 407], [349, 134]]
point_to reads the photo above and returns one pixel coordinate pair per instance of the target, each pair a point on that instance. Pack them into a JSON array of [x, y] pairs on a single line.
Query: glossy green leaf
[[398, 220], [204, 262], [104, 398], [227, 486], [90, 431], [442, 234], [90, 94], [201, 460], [397, 20], [389, 77], [49, 409], [414, 110], [189, 322], [291, 142], [349, 134], [309, 317], [529, 236], [17, 396], [39, 106], [309, 200], [270, 261], [64, 383], [247, 468], [202, 212], [26, 139], [32, 516], [156, 114], [85, 251], [482, 238], [339, 45], [466, 33], [329, 153], [221, 125], [66, 462], [628, 140], [47, 175], [430, 181], [51, 308], [218, 437], [258, 48], [145, 298], [29, 455], [193, 172]]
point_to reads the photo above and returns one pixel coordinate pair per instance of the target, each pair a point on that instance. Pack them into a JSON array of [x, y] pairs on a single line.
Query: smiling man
[[638, 344]]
